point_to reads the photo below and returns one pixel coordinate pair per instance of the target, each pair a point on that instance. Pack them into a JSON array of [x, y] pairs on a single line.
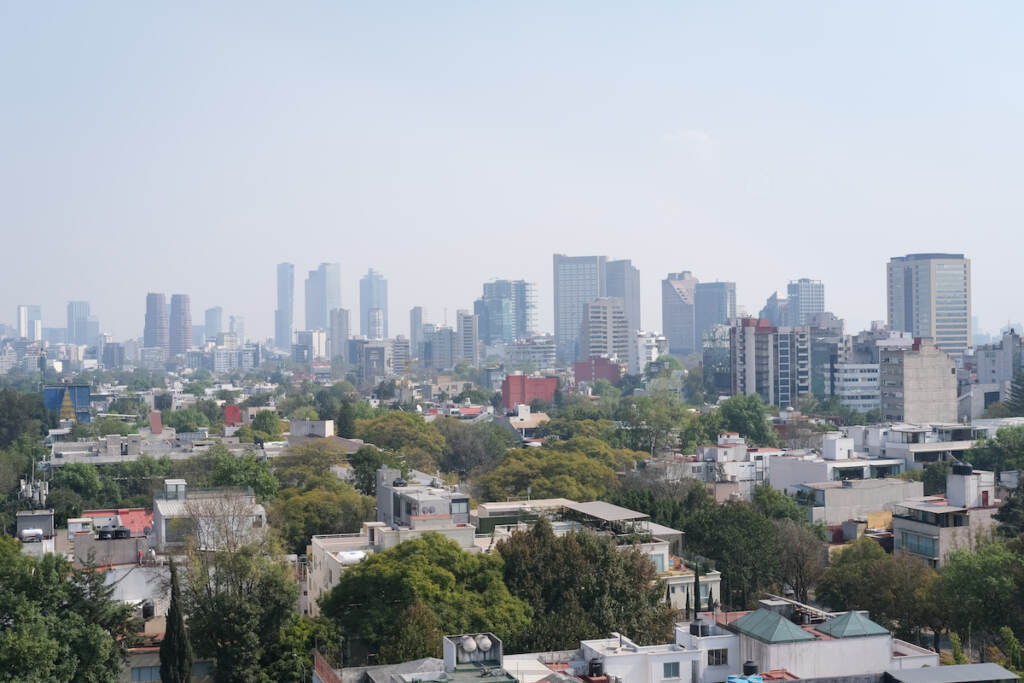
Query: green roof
[[851, 625], [770, 627]]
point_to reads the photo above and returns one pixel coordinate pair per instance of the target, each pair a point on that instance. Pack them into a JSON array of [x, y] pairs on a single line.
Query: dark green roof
[[770, 627], [851, 625]]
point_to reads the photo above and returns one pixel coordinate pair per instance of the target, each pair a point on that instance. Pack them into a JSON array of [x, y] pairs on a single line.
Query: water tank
[[351, 556], [398, 483], [705, 630], [694, 628], [963, 468], [469, 644], [122, 532], [31, 535], [106, 533], [483, 643], [148, 610], [749, 668], [595, 668]]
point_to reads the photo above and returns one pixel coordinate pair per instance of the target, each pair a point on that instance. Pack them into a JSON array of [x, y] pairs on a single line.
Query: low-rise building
[[216, 518], [834, 502], [933, 526]]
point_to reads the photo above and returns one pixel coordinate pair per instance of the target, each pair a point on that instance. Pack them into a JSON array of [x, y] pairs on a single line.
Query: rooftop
[[851, 625], [936, 504], [959, 673], [770, 627], [606, 512]]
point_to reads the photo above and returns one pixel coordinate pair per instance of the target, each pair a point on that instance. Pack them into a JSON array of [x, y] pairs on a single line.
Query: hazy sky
[[188, 148]]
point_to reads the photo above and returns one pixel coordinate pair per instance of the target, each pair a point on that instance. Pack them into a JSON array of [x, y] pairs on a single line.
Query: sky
[[189, 147]]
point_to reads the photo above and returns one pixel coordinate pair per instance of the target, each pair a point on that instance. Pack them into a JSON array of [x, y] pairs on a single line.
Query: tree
[[175, 649], [581, 585], [365, 462], [21, 414], [748, 415], [958, 649], [850, 581], [547, 473], [397, 430], [184, 419], [650, 421], [58, 623], [306, 465], [254, 588], [693, 386], [163, 402], [777, 505], [1010, 514], [346, 426], [988, 582], [246, 470], [326, 509], [1004, 452], [801, 563], [268, 425], [470, 447], [1015, 403], [465, 591], [418, 636]]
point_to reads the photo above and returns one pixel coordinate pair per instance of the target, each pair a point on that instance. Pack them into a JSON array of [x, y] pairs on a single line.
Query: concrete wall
[[112, 551], [820, 658]]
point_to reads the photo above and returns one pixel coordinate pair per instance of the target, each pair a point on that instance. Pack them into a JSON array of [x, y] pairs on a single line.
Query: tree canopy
[[458, 591], [548, 473]]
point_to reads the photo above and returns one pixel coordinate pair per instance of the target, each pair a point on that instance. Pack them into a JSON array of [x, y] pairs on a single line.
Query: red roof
[[470, 410], [138, 520]]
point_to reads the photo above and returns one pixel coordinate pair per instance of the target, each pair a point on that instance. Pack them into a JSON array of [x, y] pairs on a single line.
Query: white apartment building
[[856, 386]]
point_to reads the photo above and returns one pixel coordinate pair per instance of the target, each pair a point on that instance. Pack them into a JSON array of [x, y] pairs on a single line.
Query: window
[[718, 657], [460, 507], [669, 670], [145, 673]]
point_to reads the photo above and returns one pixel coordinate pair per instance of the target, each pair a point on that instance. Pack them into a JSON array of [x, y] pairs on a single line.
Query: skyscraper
[[214, 322], [715, 305], [156, 334], [284, 315], [805, 298], [623, 281], [236, 326], [30, 322], [929, 295], [415, 330], [506, 311], [78, 322], [376, 330], [180, 329], [577, 280], [373, 293], [468, 337], [337, 338], [679, 312], [323, 294]]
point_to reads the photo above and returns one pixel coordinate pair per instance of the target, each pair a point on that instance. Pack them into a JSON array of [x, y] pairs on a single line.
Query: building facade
[[805, 298], [323, 294], [213, 322], [180, 325], [285, 312], [679, 312], [415, 329], [917, 385], [78, 323], [156, 334], [715, 304], [373, 294], [604, 330], [929, 295], [622, 280], [507, 311], [468, 338], [577, 281]]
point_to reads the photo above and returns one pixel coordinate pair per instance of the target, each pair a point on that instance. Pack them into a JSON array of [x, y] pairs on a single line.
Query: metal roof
[[770, 627], [851, 625], [606, 511]]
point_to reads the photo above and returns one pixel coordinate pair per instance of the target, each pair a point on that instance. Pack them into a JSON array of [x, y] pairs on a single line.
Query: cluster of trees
[[58, 623], [758, 547], [537, 592]]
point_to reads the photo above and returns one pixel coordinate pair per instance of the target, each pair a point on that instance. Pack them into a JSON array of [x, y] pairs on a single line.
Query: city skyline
[[668, 168]]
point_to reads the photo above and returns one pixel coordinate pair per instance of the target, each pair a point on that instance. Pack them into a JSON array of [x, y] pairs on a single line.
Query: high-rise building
[[415, 330], [236, 326], [622, 280], [323, 294], [440, 347], [78, 322], [679, 312], [715, 304], [30, 322], [180, 332], [776, 310], [373, 293], [376, 321], [772, 362], [577, 280], [214, 322], [467, 331], [315, 340], [929, 295], [805, 298], [400, 350], [917, 384], [156, 334], [506, 311], [337, 338], [284, 315], [604, 330]]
